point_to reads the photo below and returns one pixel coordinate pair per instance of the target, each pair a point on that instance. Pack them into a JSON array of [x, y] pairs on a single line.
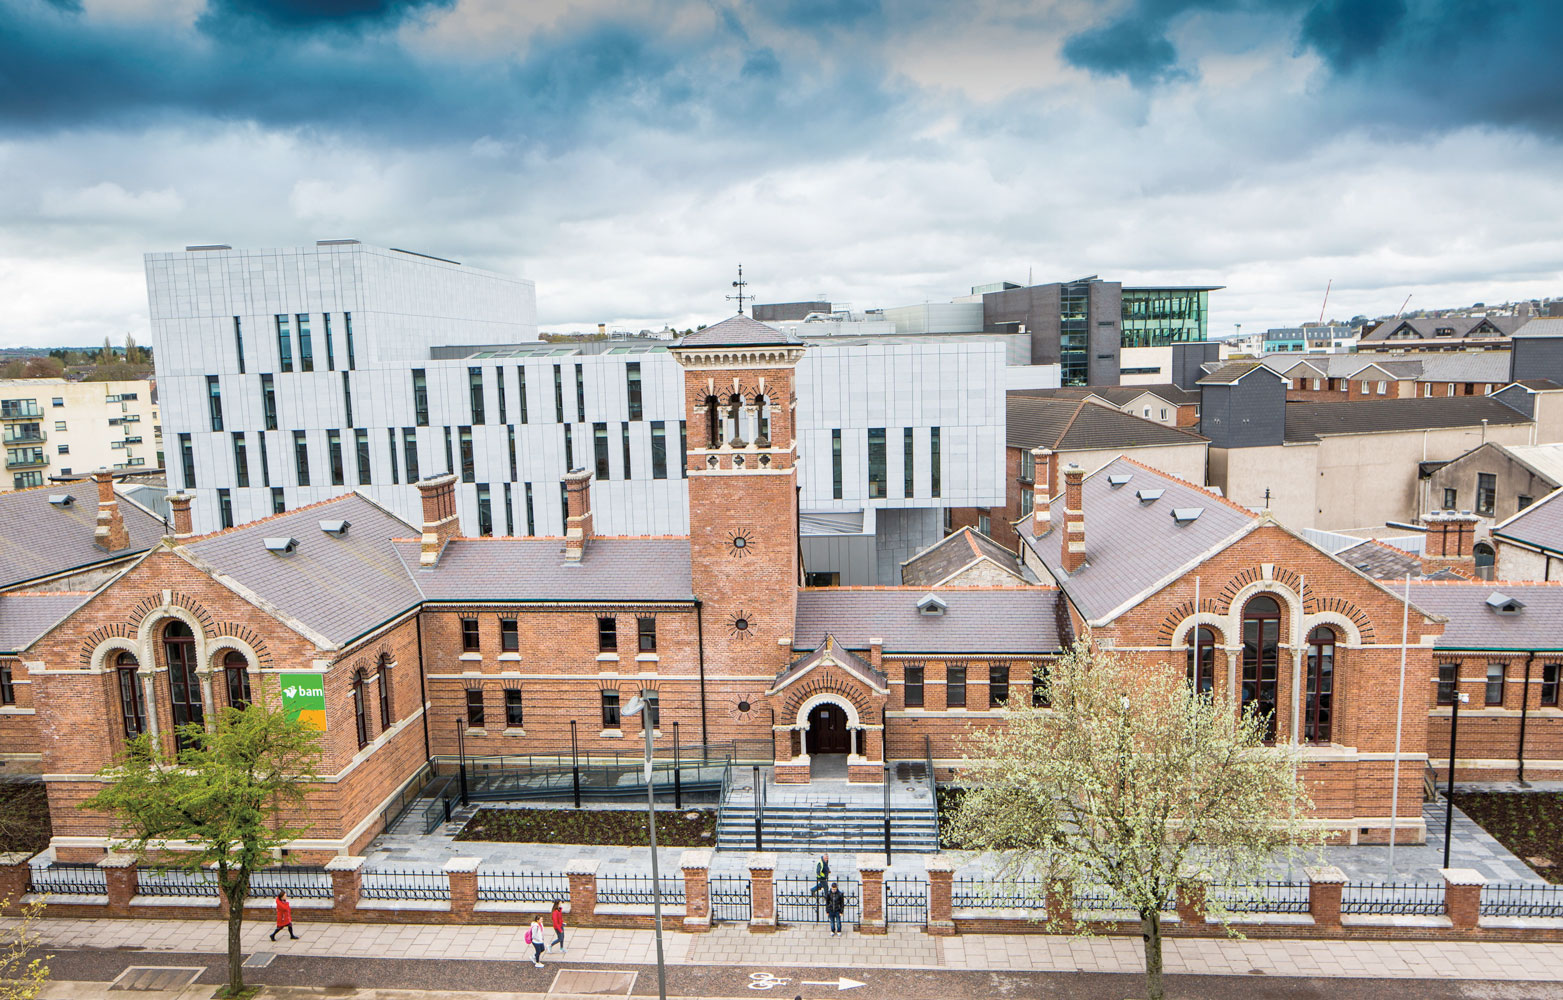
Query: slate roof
[[1068, 425], [25, 616], [1117, 395], [336, 586], [1474, 625], [1545, 460], [1427, 326], [1308, 421], [532, 569], [1422, 366], [831, 650], [1545, 326], [1540, 524], [1131, 548], [1232, 371], [1536, 384], [39, 540], [978, 621], [739, 331], [1380, 561], [954, 553]]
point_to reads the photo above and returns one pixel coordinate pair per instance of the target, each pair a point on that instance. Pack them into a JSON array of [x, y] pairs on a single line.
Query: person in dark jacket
[[835, 906], [821, 874]]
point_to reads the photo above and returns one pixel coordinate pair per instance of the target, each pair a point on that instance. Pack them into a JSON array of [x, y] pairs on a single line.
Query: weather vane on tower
[[740, 284]]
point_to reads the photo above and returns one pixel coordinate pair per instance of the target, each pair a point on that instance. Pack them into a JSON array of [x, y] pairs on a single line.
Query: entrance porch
[[830, 718]]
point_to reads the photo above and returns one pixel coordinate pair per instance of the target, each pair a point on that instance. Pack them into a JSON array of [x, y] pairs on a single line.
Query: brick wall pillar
[[696, 866], [872, 868], [344, 886], [463, 876], [1191, 903], [762, 892], [1463, 896], [1060, 896], [1324, 889], [583, 890], [14, 873], [941, 875]]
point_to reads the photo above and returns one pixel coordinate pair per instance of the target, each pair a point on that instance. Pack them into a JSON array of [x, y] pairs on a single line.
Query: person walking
[[558, 917], [835, 906], [821, 874], [534, 937], [284, 917]]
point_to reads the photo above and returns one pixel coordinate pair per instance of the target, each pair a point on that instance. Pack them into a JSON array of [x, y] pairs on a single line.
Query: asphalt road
[[346, 974]]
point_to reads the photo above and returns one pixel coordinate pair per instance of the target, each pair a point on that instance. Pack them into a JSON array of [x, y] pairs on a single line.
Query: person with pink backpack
[[534, 937]]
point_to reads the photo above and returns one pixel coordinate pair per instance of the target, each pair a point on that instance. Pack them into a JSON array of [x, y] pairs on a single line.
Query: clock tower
[[740, 411]]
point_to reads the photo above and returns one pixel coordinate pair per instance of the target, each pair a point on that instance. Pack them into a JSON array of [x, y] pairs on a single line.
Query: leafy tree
[[228, 795], [21, 977], [1134, 781]]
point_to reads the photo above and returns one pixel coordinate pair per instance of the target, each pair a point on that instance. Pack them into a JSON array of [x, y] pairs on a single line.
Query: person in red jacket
[[558, 918], [284, 916]]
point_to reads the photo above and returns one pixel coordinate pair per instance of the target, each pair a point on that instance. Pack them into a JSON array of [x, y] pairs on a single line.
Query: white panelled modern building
[[291, 376]]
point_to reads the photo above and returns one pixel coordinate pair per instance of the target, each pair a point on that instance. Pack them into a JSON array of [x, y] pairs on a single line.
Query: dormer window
[[1148, 497], [931, 605], [61, 499], [1504, 604], [337, 528], [1186, 515], [1117, 481], [281, 546]]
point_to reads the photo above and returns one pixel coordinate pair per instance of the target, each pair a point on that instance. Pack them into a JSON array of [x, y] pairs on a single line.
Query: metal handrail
[[933, 790]]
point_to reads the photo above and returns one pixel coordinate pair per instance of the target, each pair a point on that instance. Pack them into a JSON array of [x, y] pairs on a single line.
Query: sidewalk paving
[[904, 947]]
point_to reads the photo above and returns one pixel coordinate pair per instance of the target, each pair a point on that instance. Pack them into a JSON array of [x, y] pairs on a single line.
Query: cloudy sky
[[627, 154]]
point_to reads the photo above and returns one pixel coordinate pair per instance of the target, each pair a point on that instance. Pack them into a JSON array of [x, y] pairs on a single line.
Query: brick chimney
[[1041, 491], [179, 514], [1073, 540], [578, 514], [110, 534], [440, 523], [1450, 535]]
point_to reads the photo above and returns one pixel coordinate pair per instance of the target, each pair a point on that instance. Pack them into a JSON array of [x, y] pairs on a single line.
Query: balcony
[[24, 434], [28, 462], [20, 409]]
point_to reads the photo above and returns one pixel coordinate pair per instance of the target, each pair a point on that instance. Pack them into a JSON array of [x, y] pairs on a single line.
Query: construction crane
[[1327, 286], [1403, 306]]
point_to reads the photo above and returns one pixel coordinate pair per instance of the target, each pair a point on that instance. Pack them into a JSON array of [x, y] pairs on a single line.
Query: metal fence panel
[[65, 879], [1099, 899], [1261, 897], [730, 898], [298, 881], [523, 887], [797, 902], [631, 890], [1522, 900], [404, 883], [979, 894], [175, 882], [906, 900], [1426, 898]]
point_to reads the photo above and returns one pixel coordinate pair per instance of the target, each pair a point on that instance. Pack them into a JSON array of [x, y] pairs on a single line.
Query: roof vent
[[281, 546], [1117, 481], [1149, 496], [931, 605], [1504, 604], [1187, 515], [338, 528], [61, 499]]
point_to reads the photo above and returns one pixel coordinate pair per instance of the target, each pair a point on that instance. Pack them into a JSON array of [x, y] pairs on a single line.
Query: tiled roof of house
[[24, 616], [829, 651], [1133, 544], [1232, 371], [1543, 326], [39, 539], [1380, 561], [1427, 327], [976, 621], [1069, 425], [533, 569], [959, 550], [1307, 421], [1117, 395], [1540, 524], [1475, 624], [739, 331], [1422, 366]]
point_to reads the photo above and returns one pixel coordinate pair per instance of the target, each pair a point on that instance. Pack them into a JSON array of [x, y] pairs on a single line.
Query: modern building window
[[474, 708], [998, 685], [1261, 646], [509, 635], [499, 387], [907, 463], [306, 353], [485, 512], [214, 402], [955, 685], [410, 452], [361, 446], [513, 717], [475, 393], [646, 629], [469, 635], [835, 465], [510, 512], [420, 397], [1202, 661], [632, 381], [610, 709], [935, 467], [383, 682], [624, 439], [132, 709], [531, 519], [347, 397], [236, 672], [1448, 681], [301, 457], [334, 455], [325, 328], [284, 343], [225, 507], [278, 504], [521, 392], [347, 333], [876, 462], [241, 461], [914, 685], [558, 394], [659, 450], [238, 343], [390, 447], [265, 458], [1495, 672], [1451, 499], [683, 451], [569, 449], [187, 460], [1486, 492], [580, 394], [1549, 684], [607, 635], [600, 450], [269, 402], [450, 465], [468, 466], [510, 443], [653, 712], [183, 683], [1318, 709]]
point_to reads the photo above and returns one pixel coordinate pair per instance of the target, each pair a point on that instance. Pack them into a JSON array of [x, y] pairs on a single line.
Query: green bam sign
[[304, 698]]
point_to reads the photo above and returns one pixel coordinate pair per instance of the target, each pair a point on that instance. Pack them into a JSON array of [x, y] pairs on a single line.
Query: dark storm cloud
[[308, 15]]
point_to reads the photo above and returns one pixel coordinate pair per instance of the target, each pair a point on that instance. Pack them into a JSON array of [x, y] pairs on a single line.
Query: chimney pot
[[179, 514], [110, 534], [1073, 540], [578, 514], [440, 523]]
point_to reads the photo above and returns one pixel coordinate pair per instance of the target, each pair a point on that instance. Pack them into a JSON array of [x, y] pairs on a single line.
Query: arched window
[[1485, 558], [132, 708], [1261, 642], [1202, 660], [183, 683], [383, 678], [762, 420], [713, 423], [236, 671], [360, 712], [1318, 711], [735, 415]]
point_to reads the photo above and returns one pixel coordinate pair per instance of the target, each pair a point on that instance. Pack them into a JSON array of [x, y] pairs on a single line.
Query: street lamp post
[[461, 751], [637, 706], [1454, 726], [575, 764]]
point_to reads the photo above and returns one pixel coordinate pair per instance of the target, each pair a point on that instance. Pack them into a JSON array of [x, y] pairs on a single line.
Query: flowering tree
[[1132, 780], [23, 974]]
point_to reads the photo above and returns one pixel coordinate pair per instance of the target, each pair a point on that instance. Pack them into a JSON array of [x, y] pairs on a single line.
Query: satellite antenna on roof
[[740, 284]]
